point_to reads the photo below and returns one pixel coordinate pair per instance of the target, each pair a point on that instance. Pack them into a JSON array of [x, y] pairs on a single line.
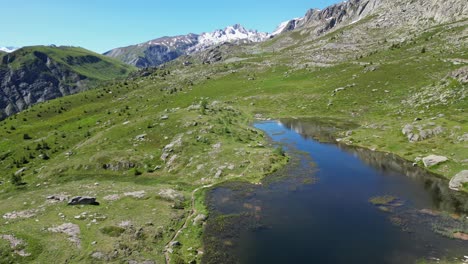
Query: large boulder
[[433, 160], [458, 180], [78, 200]]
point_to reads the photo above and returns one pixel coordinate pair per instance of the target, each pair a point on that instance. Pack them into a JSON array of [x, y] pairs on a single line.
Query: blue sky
[[101, 25]]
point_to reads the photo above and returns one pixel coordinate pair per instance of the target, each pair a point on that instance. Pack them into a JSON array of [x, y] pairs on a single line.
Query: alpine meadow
[[187, 149]]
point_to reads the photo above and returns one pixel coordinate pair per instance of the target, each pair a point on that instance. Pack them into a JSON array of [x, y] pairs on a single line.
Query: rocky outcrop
[[458, 180], [416, 133]]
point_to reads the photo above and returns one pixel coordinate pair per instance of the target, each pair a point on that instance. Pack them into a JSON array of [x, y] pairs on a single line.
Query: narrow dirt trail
[[193, 211]]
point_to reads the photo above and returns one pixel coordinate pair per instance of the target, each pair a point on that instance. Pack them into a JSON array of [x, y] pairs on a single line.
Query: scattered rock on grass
[[21, 214], [14, 243], [199, 219], [138, 194], [112, 197], [20, 171], [218, 173], [71, 230], [458, 180], [57, 197], [433, 160], [141, 137], [171, 195], [99, 256]]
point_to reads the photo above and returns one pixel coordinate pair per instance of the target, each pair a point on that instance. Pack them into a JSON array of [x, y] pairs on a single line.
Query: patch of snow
[[8, 49]]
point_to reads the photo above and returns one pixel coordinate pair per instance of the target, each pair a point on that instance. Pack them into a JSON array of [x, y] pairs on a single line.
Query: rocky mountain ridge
[[162, 50], [391, 13]]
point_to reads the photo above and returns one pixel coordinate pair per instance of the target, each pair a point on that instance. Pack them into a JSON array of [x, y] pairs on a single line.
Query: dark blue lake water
[[317, 209]]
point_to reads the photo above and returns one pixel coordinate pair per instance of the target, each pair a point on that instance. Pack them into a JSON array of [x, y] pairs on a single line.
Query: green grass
[[382, 200]]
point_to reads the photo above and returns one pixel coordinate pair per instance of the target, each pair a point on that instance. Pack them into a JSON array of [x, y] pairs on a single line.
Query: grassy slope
[[93, 126], [105, 69], [99, 127]]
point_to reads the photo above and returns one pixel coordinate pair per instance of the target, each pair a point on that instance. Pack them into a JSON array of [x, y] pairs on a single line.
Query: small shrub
[[26, 136], [137, 172], [17, 179], [279, 151], [112, 231]]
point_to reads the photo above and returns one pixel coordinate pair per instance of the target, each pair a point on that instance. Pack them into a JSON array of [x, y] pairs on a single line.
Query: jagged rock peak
[[406, 12]]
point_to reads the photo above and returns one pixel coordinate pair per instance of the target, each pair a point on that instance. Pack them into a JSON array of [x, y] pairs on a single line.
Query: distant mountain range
[[158, 51]]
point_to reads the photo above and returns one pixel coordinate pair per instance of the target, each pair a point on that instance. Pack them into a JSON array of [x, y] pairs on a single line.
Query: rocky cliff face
[[37, 82], [37, 74]]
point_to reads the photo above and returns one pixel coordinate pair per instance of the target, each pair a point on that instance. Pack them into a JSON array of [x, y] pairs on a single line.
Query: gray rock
[[199, 219], [57, 197], [458, 180], [433, 160], [407, 129], [461, 74], [99, 255], [218, 173], [121, 165], [175, 244], [171, 195], [140, 137], [16, 245], [20, 171], [137, 194], [70, 229], [79, 200], [463, 138]]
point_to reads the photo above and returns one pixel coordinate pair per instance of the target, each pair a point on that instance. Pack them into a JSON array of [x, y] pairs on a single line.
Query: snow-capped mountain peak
[[232, 34], [8, 49]]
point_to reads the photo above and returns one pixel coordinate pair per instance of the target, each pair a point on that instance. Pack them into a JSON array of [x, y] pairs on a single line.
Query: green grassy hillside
[[40, 73], [85, 62]]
